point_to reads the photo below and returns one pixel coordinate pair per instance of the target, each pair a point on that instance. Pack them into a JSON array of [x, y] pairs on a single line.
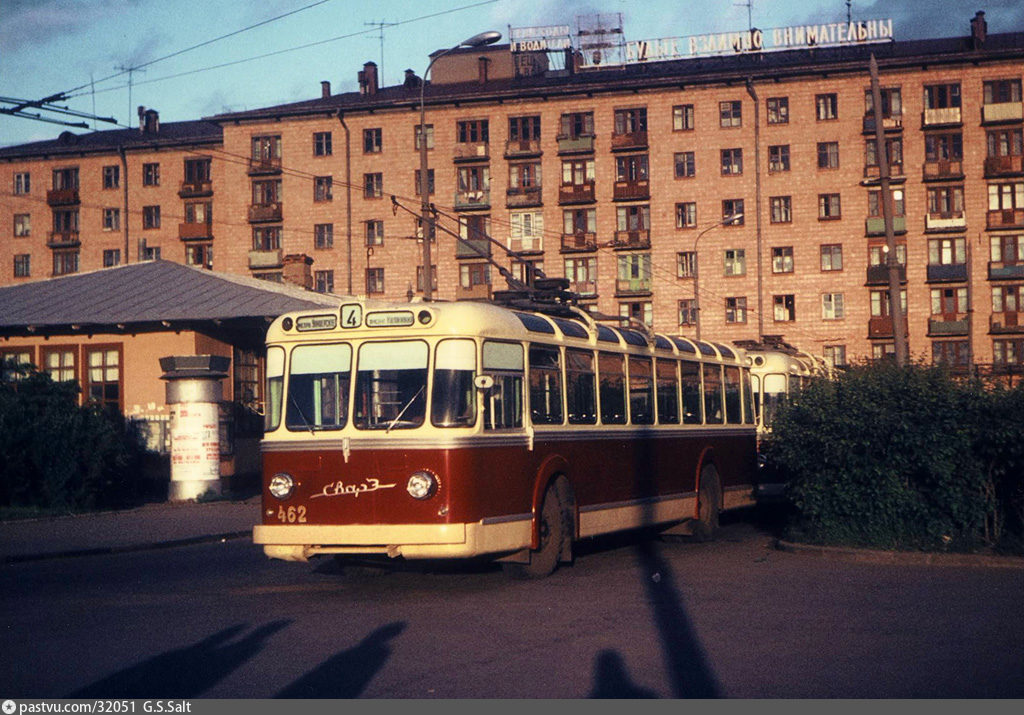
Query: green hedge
[[57, 455], [903, 458]]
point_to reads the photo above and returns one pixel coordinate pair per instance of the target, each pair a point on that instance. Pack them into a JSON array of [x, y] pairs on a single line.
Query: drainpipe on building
[[348, 197], [757, 204], [124, 180]]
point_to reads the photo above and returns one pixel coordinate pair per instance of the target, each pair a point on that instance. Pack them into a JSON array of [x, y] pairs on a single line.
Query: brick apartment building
[[759, 169]]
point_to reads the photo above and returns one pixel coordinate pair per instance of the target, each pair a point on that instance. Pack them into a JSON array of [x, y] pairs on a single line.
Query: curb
[[904, 558], [108, 550]]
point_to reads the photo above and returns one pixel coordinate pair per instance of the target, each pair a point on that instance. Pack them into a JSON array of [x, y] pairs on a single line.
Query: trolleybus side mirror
[[483, 382]]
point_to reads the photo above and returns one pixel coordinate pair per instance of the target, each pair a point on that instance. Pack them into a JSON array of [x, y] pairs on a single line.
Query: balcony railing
[[481, 291], [947, 272], [576, 193], [530, 244], [879, 274], [193, 189], [632, 190], [944, 169], [944, 325], [1003, 165], [1008, 321], [632, 286], [581, 241], [267, 165], [63, 239], [62, 197], [261, 259], [520, 197], [466, 200], [261, 213], [193, 231], [471, 151], [585, 289], [952, 221], [1005, 218], [638, 238], [473, 248], [889, 124], [998, 270], [873, 171], [880, 326], [522, 147], [1002, 112], [630, 140], [941, 116], [582, 144], [875, 225]]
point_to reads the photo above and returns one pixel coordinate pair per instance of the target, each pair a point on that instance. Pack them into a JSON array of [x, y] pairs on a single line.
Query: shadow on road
[[611, 680], [186, 672]]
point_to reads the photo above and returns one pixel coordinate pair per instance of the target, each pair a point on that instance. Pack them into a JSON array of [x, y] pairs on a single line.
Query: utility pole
[[757, 205], [895, 308]]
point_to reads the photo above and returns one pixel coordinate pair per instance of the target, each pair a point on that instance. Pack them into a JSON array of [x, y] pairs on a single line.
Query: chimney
[[411, 80], [149, 121], [296, 270], [979, 29], [325, 89], [483, 62], [368, 79]]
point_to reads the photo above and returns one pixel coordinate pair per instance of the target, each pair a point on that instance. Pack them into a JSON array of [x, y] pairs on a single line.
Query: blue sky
[[51, 46]]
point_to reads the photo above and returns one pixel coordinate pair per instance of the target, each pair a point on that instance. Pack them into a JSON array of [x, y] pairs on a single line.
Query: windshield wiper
[[407, 406], [298, 409]]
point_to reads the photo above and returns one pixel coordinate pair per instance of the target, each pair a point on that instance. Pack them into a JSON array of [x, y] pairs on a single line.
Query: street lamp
[[426, 223], [696, 264]]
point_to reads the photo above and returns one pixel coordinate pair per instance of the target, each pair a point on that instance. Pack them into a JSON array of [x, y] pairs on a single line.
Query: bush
[[57, 455], [910, 457]]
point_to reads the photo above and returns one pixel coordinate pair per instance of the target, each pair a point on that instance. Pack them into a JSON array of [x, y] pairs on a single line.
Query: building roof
[[149, 292], [103, 142]]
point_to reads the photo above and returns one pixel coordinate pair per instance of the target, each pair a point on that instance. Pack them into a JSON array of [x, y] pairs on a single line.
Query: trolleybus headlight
[[422, 485], [281, 485]]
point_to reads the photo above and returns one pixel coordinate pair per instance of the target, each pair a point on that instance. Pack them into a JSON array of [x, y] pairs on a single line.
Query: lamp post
[[696, 263], [426, 223]]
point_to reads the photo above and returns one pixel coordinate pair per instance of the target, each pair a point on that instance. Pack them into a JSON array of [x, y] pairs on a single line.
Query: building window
[[633, 218], [880, 303], [373, 139], [1008, 250], [430, 182], [735, 262], [524, 128], [782, 259], [832, 306], [735, 310], [266, 148], [1003, 197], [893, 151], [103, 377], [951, 303], [781, 209], [892, 103], [199, 212], [374, 232], [778, 157], [322, 186], [630, 121], [417, 133], [827, 106], [877, 255], [22, 183], [828, 155], [875, 208], [828, 207], [472, 275], [948, 146], [943, 202], [111, 257], [65, 178], [22, 225], [686, 264], [784, 308], [150, 217], [373, 185], [687, 312], [835, 355], [266, 193], [374, 281], [65, 262], [579, 221], [473, 180], [686, 214], [22, 265], [576, 124], [1001, 91], [524, 271], [941, 96], [59, 363], [111, 177], [472, 131], [685, 165], [730, 114], [832, 257], [197, 171], [578, 173], [323, 281], [111, 219], [682, 118], [322, 144], [527, 231], [1008, 352], [732, 212], [778, 110], [732, 162], [947, 251], [634, 272], [639, 311], [1005, 142], [266, 238], [631, 168], [199, 254], [151, 174], [954, 353], [323, 235], [582, 275]]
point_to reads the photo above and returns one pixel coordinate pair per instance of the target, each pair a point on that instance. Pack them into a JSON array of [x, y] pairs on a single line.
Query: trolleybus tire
[[553, 534], [709, 504]]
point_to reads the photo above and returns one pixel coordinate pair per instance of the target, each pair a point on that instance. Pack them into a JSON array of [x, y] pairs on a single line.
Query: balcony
[[1005, 218], [997, 270], [582, 144], [262, 166], [630, 140], [584, 289], [522, 197], [948, 325], [64, 239], [941, 116], [943, 169], [1002, 112], [941, 222], [195, 189], [1008, 321], [1003, 166], [947, 273], [263, 259], [632, 286], [262, 213], [62, 197], [530, 244], [638, 238], [576, 193], [481, 291], [875, 225], [889, 124], [881, 326], [194, 231], [473, 248], [632, 190], [471, 200], [580, 241], [516, 148], [471, 151], [875, 172], [879, 274]]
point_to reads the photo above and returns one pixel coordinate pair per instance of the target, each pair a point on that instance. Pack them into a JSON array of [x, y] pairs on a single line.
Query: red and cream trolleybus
[[452, 430]]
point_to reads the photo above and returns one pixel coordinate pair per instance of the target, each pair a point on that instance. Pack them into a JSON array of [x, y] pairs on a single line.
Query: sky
[[198, 59]]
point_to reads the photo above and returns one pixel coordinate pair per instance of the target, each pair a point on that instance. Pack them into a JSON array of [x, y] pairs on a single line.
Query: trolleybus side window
[[748, 401], [318, 387], [693, 402], [579, 386], [503, 403], [545, 385], [453, 397], [611, 369], [668, 391], [714, 405], [641, 390], [733, 396], [275, 387], [391, 385]]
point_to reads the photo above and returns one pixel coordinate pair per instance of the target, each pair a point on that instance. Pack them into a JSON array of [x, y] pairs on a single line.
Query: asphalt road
[[630, 618]]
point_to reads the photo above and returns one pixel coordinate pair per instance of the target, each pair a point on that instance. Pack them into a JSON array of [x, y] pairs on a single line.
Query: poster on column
[[195, 445]]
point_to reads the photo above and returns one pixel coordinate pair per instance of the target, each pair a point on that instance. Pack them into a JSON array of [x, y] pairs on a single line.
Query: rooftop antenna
[[749, 4], [849, 11], [380, 34], [130, 71]]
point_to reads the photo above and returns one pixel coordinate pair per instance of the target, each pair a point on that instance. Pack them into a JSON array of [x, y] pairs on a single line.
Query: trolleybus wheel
[[544, 560], [709, 504]]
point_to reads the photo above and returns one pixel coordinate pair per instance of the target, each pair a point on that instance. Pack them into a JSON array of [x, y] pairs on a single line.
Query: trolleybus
[[454, 430]]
